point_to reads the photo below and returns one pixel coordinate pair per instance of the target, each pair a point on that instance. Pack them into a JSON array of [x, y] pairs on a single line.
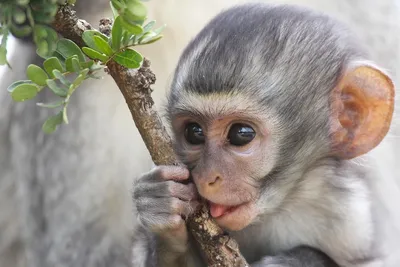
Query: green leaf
[[136, 10], [58, 90], [3, 55], [51, 64], [65, 115], [24, 92], [84, 72], [152, 40], [68, 48], [126, 38], [96, 67], [94, 54], [132, 28], [160, 29], [5, 33], [21, 31], [19, 16], [59, 56], [50, 125], [72, 64], [87, 64], [29, 15], [40, 32], [114, 10], [93, 76], [102, 46], [88, 38], [129, 58], [52, 40], [37, 74], [42, 48], [17, 83], [151, 36], [45, 39], [149, 25], [51, 105], [75, 84], [22, 2], [146, 37], [117, 5], [61, 77], [116, 33], [78, 80]]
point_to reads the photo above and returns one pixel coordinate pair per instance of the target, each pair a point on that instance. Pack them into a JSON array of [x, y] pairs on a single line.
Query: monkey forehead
[[256, 46], [217, 105]]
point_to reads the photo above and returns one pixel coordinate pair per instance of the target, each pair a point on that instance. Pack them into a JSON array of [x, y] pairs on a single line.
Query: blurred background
[[65, 198]]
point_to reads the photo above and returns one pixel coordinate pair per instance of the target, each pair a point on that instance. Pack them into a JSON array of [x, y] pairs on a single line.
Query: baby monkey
[[272, 108]]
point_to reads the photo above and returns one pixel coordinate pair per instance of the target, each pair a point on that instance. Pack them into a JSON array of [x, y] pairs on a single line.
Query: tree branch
[[135, 85]]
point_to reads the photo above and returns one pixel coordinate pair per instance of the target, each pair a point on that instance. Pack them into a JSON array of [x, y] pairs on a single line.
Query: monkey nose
[[215, 182]]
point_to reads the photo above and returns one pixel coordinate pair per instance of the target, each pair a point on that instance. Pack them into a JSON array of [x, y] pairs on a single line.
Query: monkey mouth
[[233, 217], [218, 210]]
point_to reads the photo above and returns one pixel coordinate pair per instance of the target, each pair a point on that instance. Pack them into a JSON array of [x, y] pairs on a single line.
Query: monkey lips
[[218, 210], [232, 217]]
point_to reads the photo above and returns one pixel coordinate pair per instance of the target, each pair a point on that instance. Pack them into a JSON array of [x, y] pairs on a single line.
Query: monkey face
[[229, 150]]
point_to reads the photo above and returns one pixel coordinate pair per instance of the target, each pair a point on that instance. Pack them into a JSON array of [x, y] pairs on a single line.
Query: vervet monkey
[[64, 198], [276, 112]]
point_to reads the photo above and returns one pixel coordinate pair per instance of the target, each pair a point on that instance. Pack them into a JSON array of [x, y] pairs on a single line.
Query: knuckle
[[162, 172], [176, 205], [140, 190], [170, 187], [183, 170]]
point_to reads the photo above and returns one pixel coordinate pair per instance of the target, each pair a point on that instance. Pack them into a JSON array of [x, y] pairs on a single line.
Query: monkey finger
[[169, 172], [181, 191], [166, 189], [147, 206], [183, 208], [160, 223]]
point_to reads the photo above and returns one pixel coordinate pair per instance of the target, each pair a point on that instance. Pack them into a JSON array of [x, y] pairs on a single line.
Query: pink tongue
[[217, 210]]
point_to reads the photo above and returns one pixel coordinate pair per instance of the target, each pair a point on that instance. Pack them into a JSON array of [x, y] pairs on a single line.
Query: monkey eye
[[194, 134], [240, 134]]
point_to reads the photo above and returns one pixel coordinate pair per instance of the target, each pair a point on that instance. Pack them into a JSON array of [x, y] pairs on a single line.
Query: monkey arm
[[298, 257]]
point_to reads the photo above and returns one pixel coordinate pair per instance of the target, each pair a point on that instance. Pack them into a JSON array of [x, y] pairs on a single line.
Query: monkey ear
[[362, 109]]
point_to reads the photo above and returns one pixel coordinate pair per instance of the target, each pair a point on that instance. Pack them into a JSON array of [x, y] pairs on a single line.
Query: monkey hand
[[162, 202]]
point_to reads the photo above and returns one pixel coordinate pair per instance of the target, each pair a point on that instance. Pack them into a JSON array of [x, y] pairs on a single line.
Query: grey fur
[[300, 256]]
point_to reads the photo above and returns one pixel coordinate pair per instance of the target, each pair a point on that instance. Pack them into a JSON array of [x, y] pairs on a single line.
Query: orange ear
[[362, 110]]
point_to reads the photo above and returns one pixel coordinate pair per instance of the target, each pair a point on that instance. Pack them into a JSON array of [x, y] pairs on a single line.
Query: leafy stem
[[66, 64]]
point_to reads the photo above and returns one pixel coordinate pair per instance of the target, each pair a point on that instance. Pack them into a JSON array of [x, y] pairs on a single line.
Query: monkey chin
[[238, 217]]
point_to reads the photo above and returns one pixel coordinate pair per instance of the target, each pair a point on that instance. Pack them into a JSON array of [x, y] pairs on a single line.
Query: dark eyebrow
[[193, 113]]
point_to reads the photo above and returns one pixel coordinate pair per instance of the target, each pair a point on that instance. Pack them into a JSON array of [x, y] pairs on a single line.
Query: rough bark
[[135, 85]]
